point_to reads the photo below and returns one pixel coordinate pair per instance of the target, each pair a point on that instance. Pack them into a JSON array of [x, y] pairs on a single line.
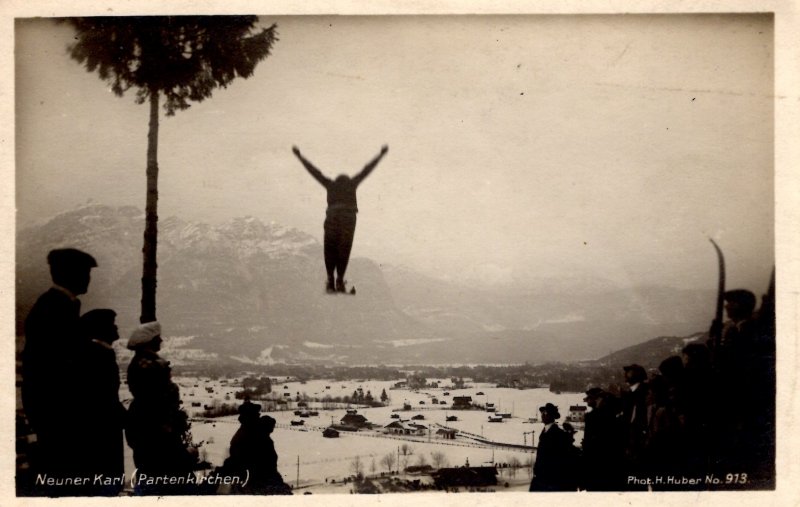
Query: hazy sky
[[520, 146]]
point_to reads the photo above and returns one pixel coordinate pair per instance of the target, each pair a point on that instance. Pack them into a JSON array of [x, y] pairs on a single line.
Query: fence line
[[478, 441]]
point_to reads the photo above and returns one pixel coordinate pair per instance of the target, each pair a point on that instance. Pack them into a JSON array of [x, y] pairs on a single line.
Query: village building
[[405, 428], [462, 402], [355, 420], [446, 433], [577, 413]]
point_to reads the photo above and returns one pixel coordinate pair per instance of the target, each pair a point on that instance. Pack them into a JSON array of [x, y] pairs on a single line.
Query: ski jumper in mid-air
[[340, 217]]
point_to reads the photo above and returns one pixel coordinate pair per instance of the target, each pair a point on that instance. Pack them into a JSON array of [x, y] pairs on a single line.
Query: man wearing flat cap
[[50, 364]]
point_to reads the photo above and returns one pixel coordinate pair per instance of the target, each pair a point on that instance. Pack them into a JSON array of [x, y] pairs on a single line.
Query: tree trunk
[[151, 217]]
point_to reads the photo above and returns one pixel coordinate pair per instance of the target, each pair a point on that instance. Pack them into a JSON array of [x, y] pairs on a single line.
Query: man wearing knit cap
[[143, 334], [50, 364], [157, 429]]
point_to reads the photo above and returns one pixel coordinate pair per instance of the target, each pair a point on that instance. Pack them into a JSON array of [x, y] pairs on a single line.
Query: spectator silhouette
[[553, 469], [634, 415], [671, 369], [51, 367], [157, 429], [103, 453], [253, 452], [743, 378], [761, 425], [602, 442], [340, 217], [699, 404], [663, 454], [738, 336]]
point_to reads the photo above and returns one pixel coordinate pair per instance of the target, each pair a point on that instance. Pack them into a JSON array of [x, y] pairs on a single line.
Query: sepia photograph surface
[[429, 254]]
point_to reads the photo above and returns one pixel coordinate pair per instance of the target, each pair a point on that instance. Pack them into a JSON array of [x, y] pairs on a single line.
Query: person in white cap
[[157, 429]]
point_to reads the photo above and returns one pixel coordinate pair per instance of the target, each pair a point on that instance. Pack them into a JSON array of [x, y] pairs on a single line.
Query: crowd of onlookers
[[70, 397], [707, 413], [703, 420]]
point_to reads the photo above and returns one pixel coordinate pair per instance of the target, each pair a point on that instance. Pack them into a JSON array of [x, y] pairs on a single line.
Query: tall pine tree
[[180, 58]]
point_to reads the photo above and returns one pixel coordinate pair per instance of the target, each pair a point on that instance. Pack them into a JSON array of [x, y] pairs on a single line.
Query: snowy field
[[323, 460]]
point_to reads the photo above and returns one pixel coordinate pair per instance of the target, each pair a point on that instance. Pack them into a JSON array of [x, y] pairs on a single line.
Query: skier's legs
[[347, 229], [331, 249]]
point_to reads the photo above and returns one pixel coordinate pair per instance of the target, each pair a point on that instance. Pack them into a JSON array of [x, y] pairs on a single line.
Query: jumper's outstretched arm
[[316, 173], [357, 179]]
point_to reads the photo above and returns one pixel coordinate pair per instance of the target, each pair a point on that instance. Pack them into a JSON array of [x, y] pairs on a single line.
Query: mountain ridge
[[249, 291]]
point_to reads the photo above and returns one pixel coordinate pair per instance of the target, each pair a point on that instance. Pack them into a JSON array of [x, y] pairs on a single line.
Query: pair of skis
[[351, 292], [716, 326]]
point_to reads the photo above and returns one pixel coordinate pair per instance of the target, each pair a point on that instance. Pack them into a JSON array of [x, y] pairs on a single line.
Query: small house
[[577, 413], [462, 402], [355, 420], [446, 433], [404, 428]]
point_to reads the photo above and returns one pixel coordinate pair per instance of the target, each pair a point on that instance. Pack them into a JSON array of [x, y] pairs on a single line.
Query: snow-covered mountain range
[[250, 292]]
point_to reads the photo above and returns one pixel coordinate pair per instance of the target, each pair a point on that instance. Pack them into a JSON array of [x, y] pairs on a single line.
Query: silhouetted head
[[70, 269], [634, 374], [248, 411], [739, 304], [99, 325], [549, 413], [146, 337], [671, 368], [696, 356], [609, 402], [342, 178], [659, 389], [592, 395], [268, 423]]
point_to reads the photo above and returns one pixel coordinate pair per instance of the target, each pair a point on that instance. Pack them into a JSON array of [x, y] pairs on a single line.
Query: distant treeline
[[559, 377]]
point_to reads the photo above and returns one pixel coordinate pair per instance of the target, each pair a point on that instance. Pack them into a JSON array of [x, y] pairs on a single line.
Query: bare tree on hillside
[[388, 461], [357, 467], [439, 459], [405, 454]]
